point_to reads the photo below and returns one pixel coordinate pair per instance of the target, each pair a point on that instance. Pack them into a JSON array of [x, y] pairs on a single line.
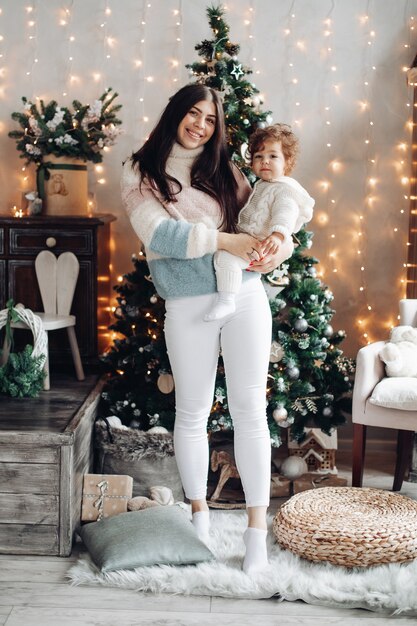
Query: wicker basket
[[349, 526]]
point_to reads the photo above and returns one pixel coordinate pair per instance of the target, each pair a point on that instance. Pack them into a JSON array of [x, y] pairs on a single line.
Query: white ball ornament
[[280, 414], [293, 467], [327, 411], [153, 299], [269, 119], [328, 331], [261, 124], [293, 373], [301, 325], [246, 122], [313, 297]]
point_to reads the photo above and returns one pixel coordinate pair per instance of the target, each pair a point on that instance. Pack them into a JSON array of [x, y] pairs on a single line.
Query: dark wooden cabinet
[[21, 239]]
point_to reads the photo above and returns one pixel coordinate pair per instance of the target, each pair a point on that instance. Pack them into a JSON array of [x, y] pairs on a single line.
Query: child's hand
[[271, 244]]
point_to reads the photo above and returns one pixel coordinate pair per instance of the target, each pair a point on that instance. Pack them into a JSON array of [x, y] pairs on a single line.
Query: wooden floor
[[34, 591]]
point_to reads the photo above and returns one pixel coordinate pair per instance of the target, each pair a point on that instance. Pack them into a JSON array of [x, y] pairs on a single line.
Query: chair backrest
[[57, 278], [408, 312]]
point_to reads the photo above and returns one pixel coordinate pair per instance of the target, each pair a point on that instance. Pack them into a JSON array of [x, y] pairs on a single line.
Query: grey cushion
[[155, 536]]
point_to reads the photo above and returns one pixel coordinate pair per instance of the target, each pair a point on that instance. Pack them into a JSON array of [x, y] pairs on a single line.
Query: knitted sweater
[[179, 237], [281, 206]]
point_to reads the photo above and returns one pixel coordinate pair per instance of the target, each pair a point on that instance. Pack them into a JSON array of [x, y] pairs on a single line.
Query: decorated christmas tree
[[309, 378]]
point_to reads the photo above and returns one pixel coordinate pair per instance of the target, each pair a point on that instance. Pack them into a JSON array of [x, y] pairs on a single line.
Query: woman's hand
[[272, 261], [240, 244]]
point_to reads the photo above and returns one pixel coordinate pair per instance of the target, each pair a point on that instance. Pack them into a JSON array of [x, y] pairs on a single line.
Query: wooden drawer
[[30, 241]]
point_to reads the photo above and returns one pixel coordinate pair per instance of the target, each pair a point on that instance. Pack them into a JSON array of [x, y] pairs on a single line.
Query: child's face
[[268, 162]]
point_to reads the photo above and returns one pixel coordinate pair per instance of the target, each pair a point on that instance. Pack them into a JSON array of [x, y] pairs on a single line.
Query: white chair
[[57, 278], [370, 371]]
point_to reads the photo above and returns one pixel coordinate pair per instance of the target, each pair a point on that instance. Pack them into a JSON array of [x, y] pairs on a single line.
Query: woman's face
[[198, 126]]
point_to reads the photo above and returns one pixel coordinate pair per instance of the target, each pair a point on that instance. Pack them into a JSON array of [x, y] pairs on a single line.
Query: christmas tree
[[308, 376]]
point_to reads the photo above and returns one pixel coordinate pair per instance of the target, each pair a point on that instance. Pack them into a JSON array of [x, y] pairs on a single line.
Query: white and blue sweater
[[180, 237]]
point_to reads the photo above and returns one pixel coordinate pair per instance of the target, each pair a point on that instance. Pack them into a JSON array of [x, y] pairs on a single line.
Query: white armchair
[[370, 371]]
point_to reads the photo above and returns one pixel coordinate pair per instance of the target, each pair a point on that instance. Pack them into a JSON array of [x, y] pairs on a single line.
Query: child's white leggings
[[193, 349]]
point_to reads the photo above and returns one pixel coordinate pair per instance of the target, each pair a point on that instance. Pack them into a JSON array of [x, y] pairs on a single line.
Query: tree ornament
[[237, 71], [277, 352], [293, 467], [280, 414], [165, 382], [293, 372], [219, 396], [328, 331], [261, 125], [269, 119], [246, 122], [312, 271], [244, 151], [134, 424], [301, 325], [313, 297], [153, 299]]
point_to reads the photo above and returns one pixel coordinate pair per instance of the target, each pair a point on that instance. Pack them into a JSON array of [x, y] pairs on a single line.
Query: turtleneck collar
[[179, 152]]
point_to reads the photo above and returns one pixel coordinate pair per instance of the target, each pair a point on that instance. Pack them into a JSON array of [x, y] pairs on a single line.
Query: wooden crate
[[45, 449]]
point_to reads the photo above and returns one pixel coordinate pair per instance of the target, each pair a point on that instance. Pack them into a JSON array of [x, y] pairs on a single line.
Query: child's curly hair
[[277, 132]]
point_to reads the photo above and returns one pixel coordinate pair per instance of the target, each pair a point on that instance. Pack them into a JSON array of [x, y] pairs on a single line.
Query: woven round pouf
[[349, 526]]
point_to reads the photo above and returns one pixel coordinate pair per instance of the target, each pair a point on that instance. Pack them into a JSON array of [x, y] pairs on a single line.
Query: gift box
[[313, 481], [105, 495]]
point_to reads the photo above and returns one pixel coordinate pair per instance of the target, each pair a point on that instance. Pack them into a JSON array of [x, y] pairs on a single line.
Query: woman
[[183, 195]]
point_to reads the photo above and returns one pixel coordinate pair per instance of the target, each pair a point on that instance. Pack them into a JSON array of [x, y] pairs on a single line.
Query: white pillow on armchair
[[396, 393]]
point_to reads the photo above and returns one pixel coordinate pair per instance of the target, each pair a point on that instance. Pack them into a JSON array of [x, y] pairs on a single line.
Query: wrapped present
[[314, 480], [105, 495]]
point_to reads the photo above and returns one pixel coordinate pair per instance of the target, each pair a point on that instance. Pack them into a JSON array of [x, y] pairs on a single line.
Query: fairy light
[[175, 65], [32, 34], [407, 277], [69, 79], [334, 165], [370, 185], [2, 70]]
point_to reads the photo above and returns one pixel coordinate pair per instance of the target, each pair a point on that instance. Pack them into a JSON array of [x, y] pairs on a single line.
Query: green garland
[[23, 375]]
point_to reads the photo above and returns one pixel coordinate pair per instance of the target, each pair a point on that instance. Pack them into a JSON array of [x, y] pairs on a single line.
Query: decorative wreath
[[32, 321]]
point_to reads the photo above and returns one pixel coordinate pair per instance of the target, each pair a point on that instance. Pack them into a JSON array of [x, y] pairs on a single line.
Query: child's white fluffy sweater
[[179, 238], [281, 206]]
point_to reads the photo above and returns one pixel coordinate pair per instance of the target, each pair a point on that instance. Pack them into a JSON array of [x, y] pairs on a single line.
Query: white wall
[[290, 68]]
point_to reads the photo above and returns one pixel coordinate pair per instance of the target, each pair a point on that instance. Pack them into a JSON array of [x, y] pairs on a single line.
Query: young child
[[277, 207]]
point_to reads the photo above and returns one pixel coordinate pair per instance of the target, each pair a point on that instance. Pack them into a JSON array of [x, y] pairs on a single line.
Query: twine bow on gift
[[43, 173], [99, 503]]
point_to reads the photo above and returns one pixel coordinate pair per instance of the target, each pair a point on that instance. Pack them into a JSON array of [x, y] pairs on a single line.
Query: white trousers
[[193, 349]]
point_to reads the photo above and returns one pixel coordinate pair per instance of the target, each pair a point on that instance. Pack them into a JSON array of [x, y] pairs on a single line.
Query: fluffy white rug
[[386, 588]]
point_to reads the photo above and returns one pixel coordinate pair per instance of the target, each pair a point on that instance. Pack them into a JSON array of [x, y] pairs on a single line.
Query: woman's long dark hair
[[212, 170]]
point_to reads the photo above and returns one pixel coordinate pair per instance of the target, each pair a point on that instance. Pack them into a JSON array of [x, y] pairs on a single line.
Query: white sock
[[256, 557], [224, 306], [201, 522]]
